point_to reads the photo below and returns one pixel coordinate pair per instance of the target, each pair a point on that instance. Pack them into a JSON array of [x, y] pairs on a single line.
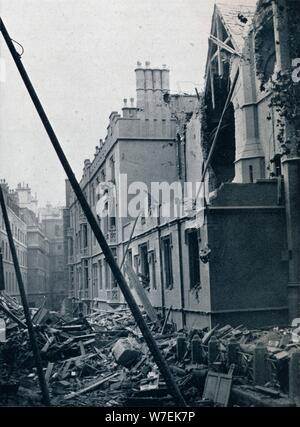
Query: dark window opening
[[222, 162], [194, 262], [144, 274], [224, 155], [84, 235], [251, 174], [153, 272], [107, 272], [86, 274], [167, 262]]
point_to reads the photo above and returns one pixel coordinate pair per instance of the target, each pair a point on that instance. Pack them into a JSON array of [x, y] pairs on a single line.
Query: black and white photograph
[[150, 207]]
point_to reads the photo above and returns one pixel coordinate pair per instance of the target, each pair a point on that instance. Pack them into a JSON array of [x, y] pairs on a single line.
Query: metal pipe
[[157, 355], [34, 346]]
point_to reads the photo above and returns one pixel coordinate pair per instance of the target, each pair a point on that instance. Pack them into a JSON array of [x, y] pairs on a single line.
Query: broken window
[[194, 262], [152, 269], [144, 274], [167, 262]]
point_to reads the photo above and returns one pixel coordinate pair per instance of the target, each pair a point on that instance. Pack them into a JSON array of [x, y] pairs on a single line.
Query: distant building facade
[[19, 231], [38, 292], [51, 219]]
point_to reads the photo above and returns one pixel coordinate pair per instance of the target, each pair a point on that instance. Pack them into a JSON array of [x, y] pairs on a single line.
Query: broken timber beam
[[12, 316], [91, 387], [140, 291]]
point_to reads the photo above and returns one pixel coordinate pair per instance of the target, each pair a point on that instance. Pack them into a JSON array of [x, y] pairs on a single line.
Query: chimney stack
[[148, 77], [140, 86], [151, 85], [165, 79]]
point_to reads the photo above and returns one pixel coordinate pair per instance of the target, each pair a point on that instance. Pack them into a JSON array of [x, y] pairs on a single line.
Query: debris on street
[[102, 360]]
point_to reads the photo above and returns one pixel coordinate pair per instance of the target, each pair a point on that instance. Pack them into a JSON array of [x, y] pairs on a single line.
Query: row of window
[[11, 285], [17, 233], [144, 264], [6, 254], [94, 197]]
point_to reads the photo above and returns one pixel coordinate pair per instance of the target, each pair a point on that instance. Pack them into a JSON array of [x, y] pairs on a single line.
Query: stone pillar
[[196, 350], [181, 347], [213, 350], [249, 157], [260, 368], [233, 352]]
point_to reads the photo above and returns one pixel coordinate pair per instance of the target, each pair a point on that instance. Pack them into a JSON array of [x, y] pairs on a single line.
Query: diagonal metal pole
[[34, 346], [152, 345]]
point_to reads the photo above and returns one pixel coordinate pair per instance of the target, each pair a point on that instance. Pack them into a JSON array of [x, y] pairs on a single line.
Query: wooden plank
[[81, 346], [49, 372], [219, 35], [91, 387], [166, 320], [66, 369], [208, 335], [47, 345], [140, 292]]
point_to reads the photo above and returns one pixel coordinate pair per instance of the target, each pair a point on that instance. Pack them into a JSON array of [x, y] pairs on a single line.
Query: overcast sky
[[81, 56]]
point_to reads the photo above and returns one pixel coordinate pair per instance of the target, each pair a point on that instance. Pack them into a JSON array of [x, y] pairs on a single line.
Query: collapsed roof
[[236, 17]]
